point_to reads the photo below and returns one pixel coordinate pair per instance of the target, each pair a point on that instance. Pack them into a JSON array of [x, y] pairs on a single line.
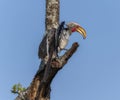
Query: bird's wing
[[57, 36], [47, 40]]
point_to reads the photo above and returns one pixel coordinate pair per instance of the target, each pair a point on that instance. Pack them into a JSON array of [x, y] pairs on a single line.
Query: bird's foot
[[65, 49]]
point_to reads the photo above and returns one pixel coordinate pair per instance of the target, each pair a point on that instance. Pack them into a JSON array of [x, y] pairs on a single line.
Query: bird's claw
[[65, 49]]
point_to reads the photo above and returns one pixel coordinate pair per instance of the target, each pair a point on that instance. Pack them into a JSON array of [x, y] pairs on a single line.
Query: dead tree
[[39, 88]]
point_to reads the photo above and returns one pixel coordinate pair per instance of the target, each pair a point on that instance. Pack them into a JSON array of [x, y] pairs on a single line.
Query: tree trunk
[[52, 14], [39, 88]]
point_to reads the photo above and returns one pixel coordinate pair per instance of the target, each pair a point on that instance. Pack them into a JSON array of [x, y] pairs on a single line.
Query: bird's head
[[74, 27]]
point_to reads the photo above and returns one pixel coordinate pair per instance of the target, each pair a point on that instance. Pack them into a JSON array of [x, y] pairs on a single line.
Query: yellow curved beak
[[81, 31]]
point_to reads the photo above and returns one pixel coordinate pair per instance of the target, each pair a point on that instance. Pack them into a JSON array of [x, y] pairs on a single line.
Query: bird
[[64, 34], [57, 39]]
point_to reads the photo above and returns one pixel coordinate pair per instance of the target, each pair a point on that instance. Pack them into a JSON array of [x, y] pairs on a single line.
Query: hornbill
[[65, 32], [57, 39]]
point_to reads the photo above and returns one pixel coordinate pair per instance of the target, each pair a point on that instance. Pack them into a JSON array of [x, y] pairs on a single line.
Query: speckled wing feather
[[42, 52]]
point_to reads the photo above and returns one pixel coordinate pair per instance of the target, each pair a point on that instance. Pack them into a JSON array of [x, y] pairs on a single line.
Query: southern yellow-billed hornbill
[[57, 39], [65, 32]]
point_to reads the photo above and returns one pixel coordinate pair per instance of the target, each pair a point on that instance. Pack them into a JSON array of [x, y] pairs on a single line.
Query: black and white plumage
[[63, 39], [65, 32], [47, 45]]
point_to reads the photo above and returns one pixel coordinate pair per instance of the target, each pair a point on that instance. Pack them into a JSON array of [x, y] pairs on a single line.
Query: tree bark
[[40, 89], [52, 14]]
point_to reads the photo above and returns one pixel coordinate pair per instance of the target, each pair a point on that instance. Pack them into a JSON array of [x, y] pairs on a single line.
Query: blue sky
[[93, 73]]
